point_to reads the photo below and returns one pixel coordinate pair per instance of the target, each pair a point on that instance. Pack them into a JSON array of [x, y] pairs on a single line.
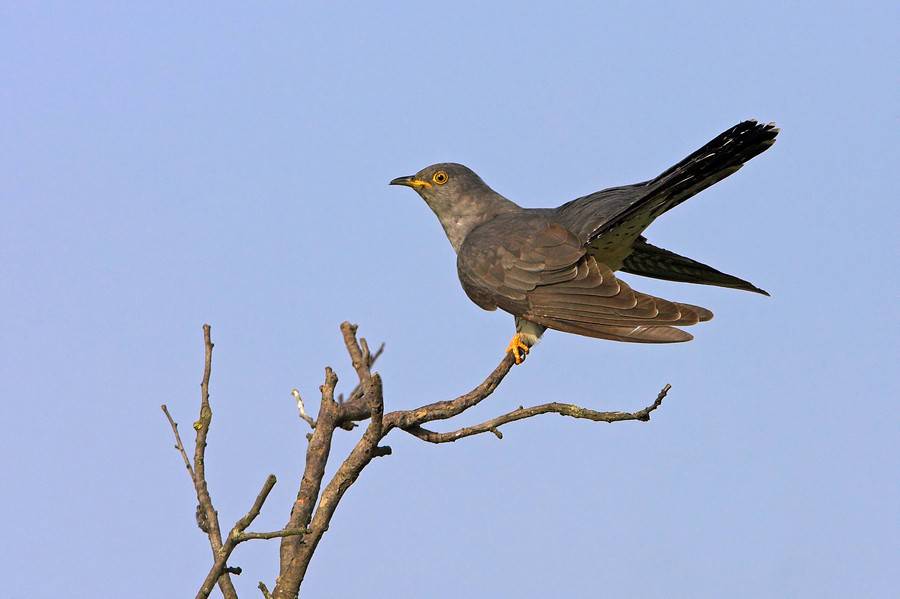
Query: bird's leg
[[518, 348], [527, 334]]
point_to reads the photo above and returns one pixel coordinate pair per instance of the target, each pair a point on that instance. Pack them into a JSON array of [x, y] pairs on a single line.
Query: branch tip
[[382, 451], [302, 409]]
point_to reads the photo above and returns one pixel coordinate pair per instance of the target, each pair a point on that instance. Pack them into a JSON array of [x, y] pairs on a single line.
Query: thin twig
[[264, 590], [178, 444], [276, 534], [376, 355], [302, 409]]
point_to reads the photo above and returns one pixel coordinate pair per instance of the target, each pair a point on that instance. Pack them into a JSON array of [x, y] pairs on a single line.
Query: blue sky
[[165, 165]]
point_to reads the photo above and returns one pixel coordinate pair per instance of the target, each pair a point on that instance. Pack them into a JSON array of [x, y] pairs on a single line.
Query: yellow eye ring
[[440, 177]]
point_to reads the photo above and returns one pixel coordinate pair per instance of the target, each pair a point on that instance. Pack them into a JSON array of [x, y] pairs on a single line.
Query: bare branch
[[311, 483], [382, 451], [352, 408], [206, 510], [316, 502], [442, 410], [302, 409], [562, 409], [358, 390], [207, 517], [237, 536], [347, 473], [359, 351], [178, 444], [549, 408], [376, 355], [356, 407], [369, 403], [276, 534]]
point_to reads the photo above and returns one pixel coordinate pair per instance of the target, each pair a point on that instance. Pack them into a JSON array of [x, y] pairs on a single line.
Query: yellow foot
[[518, 348]]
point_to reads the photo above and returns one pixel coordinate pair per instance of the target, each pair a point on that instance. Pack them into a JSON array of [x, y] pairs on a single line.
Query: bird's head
[[459, 198], [443, 183]]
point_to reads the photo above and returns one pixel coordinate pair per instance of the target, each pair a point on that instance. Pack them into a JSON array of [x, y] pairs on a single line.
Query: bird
[[554, 268]]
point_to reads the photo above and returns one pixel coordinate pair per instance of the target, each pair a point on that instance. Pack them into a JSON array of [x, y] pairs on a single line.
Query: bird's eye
[[440, 177]]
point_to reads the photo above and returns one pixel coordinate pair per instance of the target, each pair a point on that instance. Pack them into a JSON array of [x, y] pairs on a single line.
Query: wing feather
[[537, 269], [578, 303]]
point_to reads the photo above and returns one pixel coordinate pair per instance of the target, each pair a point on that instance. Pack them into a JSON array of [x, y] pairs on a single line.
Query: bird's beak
[[410, 181]]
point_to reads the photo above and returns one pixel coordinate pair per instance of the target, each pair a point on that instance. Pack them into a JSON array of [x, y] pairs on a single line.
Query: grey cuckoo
[[553, 267]]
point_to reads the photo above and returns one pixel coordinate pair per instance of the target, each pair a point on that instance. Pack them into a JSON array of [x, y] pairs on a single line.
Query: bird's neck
[[467, 212]]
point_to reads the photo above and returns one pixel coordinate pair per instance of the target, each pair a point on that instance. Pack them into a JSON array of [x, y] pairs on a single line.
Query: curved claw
[[518, 348]]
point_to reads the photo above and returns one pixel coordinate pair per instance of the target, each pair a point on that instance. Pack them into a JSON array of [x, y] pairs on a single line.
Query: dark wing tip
[[753, 289]]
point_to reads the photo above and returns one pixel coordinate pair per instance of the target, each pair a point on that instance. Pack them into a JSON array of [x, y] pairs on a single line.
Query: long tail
[[718, 159], [721, 157], [650, 261]]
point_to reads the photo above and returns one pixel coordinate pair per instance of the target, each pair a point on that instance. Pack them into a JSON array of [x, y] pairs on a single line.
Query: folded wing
[[540, 271], [648, 260]]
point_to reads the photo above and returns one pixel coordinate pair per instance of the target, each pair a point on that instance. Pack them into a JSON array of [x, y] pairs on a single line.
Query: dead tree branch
[[316, 500], [238, 536], [301, 408], [563, 409], [231, 542], [207, 517], [442, 410], [178, 445]]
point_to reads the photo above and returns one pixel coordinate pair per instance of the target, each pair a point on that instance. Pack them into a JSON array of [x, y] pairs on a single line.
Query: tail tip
[[769, 127]]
